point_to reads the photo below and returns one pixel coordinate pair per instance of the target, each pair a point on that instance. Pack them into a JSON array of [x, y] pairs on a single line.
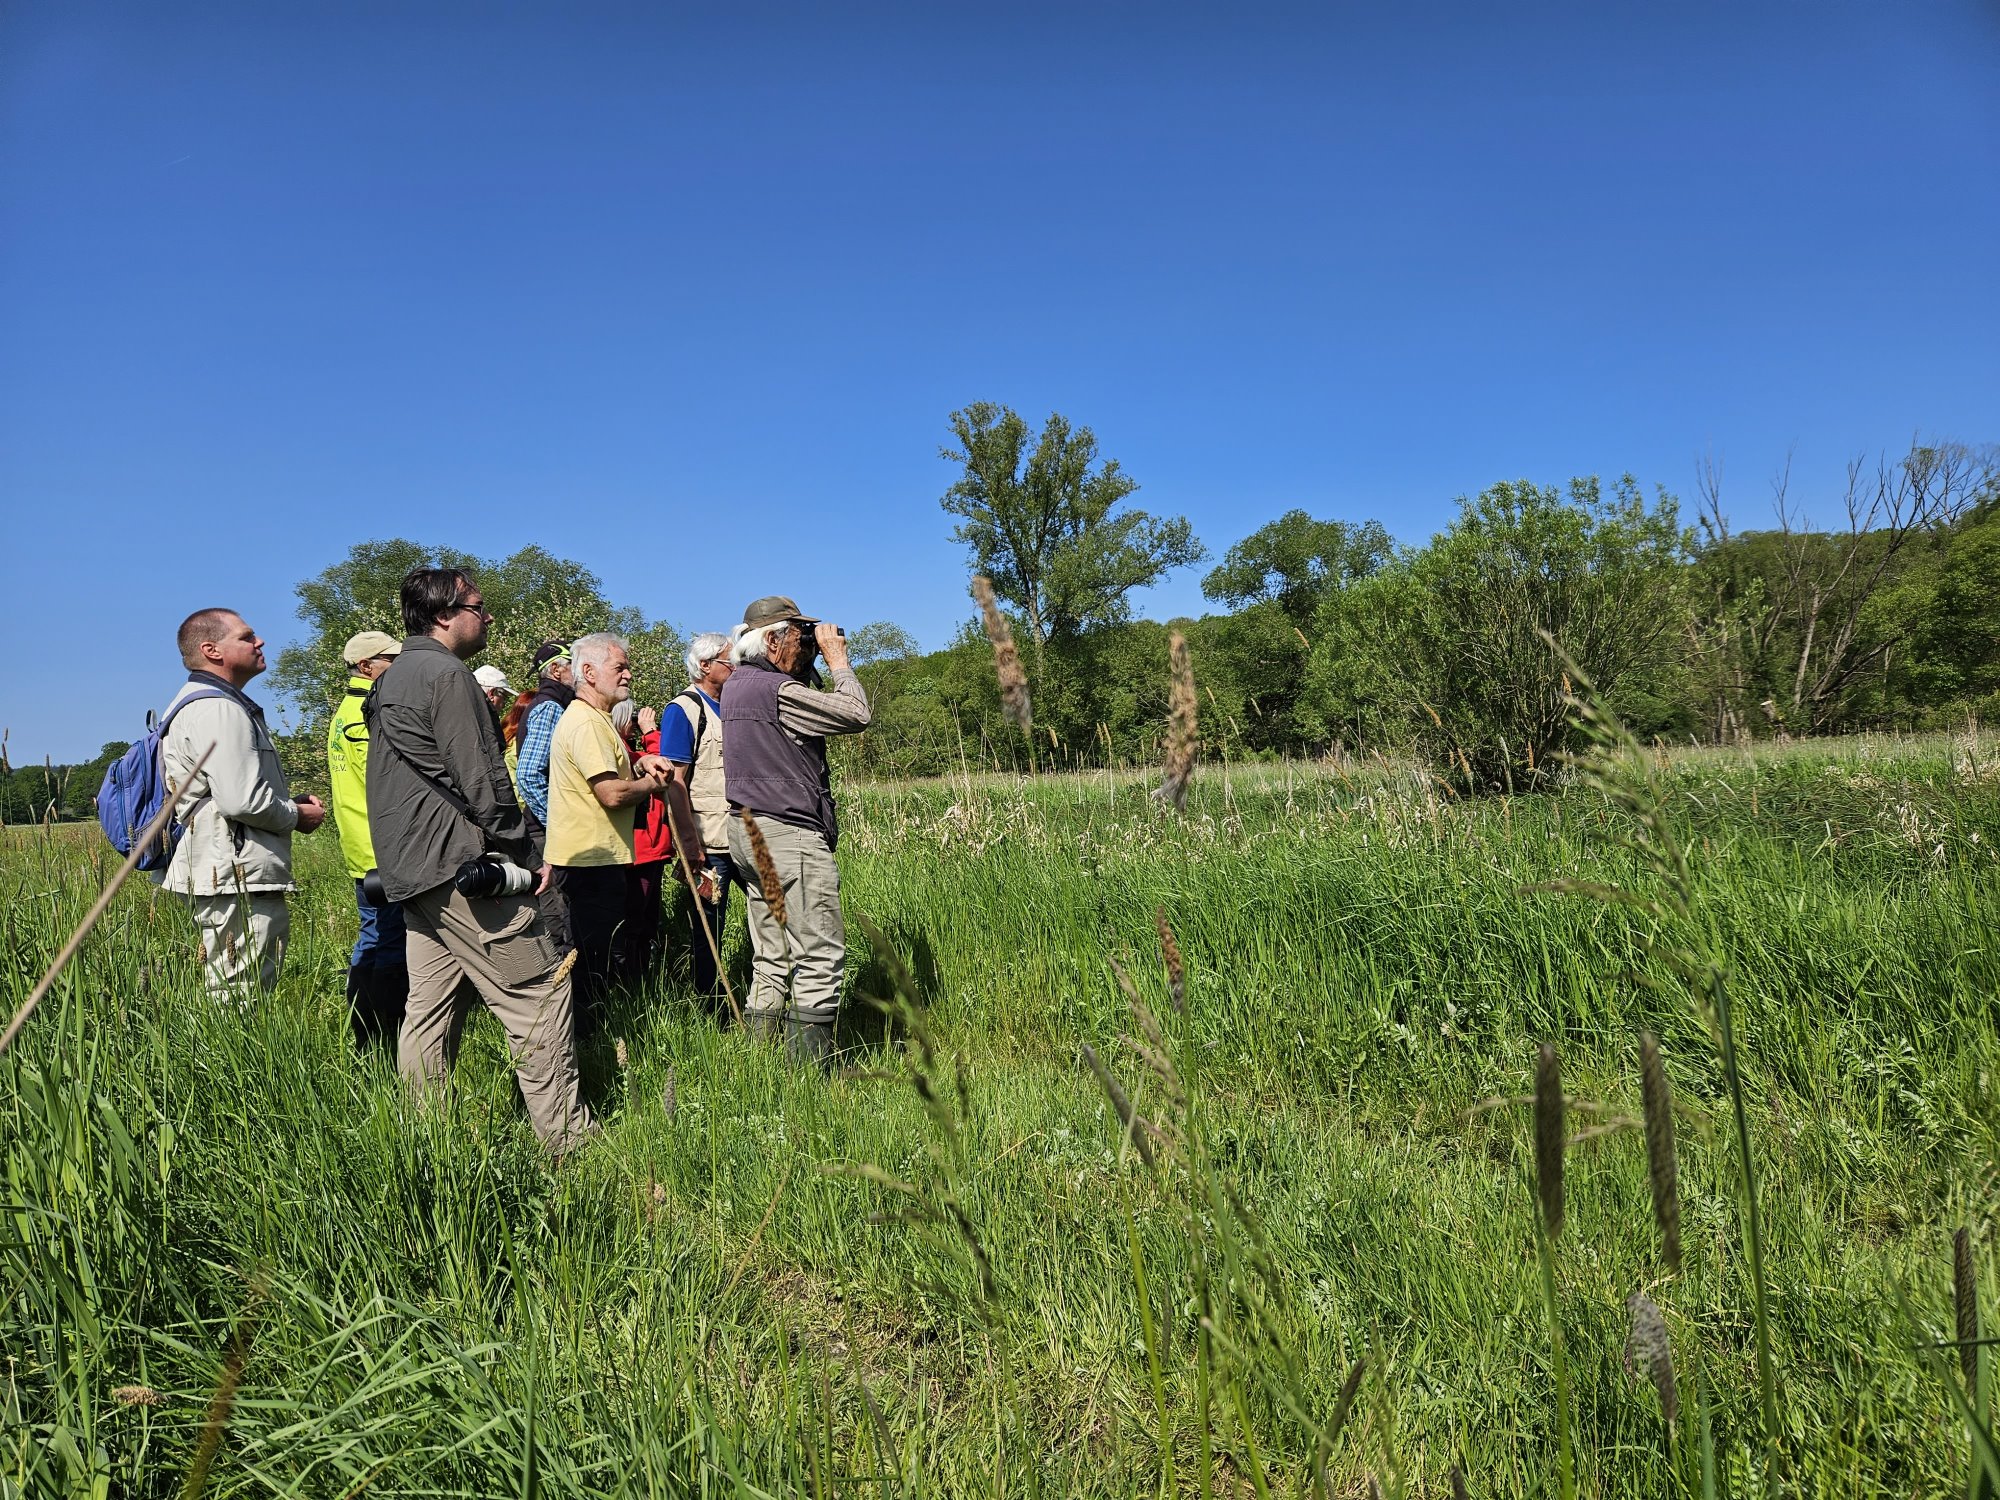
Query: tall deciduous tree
[[1293, 561], [1049, 525], [534, 595]]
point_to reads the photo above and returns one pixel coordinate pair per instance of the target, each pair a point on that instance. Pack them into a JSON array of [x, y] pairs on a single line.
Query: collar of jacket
[[210, 680], [812, 678], [358, 687]]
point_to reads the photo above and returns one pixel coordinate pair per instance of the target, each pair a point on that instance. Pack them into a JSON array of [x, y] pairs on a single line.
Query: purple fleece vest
[[763, 767]]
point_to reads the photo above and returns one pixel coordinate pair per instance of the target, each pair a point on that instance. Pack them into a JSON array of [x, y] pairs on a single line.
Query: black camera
[[372, 890], [490, 875]]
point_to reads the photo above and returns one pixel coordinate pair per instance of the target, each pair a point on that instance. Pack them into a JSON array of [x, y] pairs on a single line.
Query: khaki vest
[[706, 789]]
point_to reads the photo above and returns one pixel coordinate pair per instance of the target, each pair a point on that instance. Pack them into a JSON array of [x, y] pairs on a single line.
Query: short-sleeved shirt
[[582, 830], [677, 731]]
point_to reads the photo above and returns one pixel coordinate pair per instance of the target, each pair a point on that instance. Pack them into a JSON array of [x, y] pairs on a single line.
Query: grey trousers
[[796, 967], [242, 941], [502, 946]]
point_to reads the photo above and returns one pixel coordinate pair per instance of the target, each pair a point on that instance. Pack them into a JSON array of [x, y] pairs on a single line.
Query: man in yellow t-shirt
[[595, 791]]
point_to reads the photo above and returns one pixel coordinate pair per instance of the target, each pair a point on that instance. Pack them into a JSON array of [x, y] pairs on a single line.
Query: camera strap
[[378, 734]]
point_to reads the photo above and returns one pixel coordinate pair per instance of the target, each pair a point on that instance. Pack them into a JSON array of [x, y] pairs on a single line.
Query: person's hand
[[542, 878], [312, 813], [649, 721], [832, 645], [655, 768]]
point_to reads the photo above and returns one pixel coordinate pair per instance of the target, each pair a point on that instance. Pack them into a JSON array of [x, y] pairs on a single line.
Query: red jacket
[[652, 834]]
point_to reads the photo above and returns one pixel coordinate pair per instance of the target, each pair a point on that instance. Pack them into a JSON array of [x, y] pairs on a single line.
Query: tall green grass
[[776, 1289]]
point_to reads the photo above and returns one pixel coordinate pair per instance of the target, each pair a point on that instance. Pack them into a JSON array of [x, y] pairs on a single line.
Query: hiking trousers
[[242, 941], [502, 946], [796, 968]]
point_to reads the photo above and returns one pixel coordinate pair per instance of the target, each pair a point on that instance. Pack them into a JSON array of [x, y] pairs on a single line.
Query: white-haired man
[[774, 730], [595, 790], [698, 800]]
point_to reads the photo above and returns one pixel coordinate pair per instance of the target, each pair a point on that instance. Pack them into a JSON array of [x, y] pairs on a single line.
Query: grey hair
[[621, 715], [594, 649], [704, 649], [754, 645]]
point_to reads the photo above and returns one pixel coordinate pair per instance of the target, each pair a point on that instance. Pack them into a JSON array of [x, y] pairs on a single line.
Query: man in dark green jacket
[[439, 798]]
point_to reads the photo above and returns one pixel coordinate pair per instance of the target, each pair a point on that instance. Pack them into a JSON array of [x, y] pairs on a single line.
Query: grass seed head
[[1965, 1303], [768, 883], [670, 1094], [1647, 1352], [1135, 1129], [1549, 1139], [137, 1395], [1661, 1165], [1006, 658], [1182, 738], [1170, 953]]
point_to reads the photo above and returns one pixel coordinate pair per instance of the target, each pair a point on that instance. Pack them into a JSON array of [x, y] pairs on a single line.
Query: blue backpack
[[136, 786]]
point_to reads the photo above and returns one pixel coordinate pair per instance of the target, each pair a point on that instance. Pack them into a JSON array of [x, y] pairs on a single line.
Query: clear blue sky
[[635, 283]]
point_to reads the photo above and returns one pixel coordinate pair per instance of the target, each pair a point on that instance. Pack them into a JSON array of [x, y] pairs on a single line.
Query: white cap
[[491, 677]]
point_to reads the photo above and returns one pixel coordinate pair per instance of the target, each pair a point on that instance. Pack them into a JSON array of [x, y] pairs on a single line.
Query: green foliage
[[1447, 649], [1295, 561], [881, 640], [721, 1301], [61, 793], [1047, 525], [534, 595]]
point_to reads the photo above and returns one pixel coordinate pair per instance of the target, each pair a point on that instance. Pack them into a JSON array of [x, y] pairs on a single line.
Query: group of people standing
[[517, 847]]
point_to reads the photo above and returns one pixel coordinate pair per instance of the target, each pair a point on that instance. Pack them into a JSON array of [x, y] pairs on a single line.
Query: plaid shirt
[[538, 735]]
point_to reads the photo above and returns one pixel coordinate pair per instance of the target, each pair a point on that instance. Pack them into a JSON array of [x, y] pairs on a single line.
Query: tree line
[[1327, 636]]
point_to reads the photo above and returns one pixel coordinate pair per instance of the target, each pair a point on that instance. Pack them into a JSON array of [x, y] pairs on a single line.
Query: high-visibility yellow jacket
[[347, 771]]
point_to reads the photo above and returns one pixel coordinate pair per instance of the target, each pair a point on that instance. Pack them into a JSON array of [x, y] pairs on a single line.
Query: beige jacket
[[706, 792], [238, 813]]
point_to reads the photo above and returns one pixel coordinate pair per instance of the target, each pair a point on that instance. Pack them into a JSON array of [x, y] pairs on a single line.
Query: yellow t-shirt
[[582, 830]]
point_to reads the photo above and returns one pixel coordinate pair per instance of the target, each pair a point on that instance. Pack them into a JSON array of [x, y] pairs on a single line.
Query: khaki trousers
[[242, 941], [502, 945], [804, 958]]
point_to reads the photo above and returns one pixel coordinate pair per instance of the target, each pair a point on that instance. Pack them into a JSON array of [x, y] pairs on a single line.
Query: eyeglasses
[[477, 606]]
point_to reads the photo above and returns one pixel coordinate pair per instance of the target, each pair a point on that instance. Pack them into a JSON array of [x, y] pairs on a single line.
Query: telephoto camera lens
[[490, 875]]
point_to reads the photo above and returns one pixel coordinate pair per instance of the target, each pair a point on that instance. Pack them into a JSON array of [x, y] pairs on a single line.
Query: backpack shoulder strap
[[169, 716], [697, 715]]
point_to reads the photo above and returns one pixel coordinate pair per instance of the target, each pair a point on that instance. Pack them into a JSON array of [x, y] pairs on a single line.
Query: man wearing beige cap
[[774, 729], [498, 690], [378, 975]]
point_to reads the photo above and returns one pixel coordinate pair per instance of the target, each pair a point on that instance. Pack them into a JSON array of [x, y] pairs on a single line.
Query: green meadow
[[1297, 1253]]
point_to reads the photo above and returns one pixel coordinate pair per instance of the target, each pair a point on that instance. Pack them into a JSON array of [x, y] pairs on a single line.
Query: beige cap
[[369, 643]]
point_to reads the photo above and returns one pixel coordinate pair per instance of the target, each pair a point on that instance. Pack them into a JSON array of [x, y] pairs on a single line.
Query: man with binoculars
[[450, 845], [774, 729]]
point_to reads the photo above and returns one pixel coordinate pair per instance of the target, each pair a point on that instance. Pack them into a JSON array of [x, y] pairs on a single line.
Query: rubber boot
[[392, 998], [376, 997], [810, 1042], [360, 1010], [764, 1025]]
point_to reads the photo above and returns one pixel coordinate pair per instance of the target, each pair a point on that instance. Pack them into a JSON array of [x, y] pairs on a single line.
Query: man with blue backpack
[[233, 863]]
